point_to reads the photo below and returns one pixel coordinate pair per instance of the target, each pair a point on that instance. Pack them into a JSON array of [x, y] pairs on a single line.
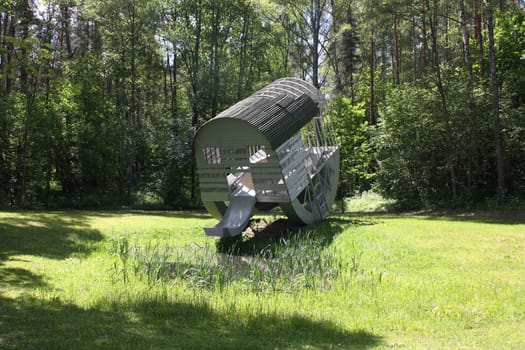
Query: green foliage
[[357, 154], [107, 104], [419, 147], [510, 46], [99, 100], [411, 149]]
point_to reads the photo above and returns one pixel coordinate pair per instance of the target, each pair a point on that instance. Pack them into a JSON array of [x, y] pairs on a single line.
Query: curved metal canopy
[[279, 110]]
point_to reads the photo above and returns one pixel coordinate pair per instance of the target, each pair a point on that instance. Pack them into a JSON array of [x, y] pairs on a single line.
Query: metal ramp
[[237, 216]]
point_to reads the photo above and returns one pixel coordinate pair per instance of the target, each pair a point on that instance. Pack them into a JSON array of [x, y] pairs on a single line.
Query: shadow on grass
[[195, 214], [21, 278], [273, 235], [30, 324], [46, 236], [499, 217]]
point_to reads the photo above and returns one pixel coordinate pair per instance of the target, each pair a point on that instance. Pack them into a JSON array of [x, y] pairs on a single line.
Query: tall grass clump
[[367, 201], [301, 261]]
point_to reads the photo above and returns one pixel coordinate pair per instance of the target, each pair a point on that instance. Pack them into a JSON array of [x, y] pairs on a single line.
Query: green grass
[[367, 201], [152, 280]]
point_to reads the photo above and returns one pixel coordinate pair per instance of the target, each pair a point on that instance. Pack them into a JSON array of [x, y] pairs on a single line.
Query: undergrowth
[[299, 262]]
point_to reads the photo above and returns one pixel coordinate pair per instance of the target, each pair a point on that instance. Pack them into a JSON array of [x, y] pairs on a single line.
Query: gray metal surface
[[270, 149], [279, 110], [237, 216]]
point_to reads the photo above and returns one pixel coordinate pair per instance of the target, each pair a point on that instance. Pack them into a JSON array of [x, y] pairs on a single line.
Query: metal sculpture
[[271, 149]]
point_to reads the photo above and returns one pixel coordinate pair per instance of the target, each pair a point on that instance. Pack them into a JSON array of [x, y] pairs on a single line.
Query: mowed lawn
[[115, 280]]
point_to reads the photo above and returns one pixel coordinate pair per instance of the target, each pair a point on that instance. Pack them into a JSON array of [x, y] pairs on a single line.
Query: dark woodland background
[[99, 100]]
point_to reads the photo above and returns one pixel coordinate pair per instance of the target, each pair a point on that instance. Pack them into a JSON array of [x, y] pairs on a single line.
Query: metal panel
[[279, 110]]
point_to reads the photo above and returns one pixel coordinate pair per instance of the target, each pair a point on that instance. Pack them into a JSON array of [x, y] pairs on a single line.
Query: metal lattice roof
[[279, 110]]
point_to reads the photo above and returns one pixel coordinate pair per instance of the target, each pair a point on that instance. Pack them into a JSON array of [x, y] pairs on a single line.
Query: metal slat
[[279, 110]]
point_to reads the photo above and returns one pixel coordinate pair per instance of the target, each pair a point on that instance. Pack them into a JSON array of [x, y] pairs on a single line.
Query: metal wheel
[[315, 201]]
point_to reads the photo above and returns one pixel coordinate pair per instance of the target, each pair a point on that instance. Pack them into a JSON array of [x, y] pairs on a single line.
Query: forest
[[100, 100]]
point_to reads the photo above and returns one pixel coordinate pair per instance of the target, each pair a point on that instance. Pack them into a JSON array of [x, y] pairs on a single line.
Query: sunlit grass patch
[[111, 280], [367, 201]]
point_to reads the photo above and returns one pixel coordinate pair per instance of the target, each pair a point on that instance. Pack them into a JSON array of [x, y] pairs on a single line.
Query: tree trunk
[[415, 49], [215, 57], [470, 91], [397, 51], [478, 28], [133, 126], [173, 88], [432, 13], [2, 51], [335, 53], [372, 120], [9, 31], [195, 117], [66, 28], [424, 38], [29, 93], [501, 190], [466, 56], [243, 52], [315, 19]]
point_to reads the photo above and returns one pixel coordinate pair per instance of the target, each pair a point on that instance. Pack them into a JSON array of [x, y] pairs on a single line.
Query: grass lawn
[[152, 280]]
